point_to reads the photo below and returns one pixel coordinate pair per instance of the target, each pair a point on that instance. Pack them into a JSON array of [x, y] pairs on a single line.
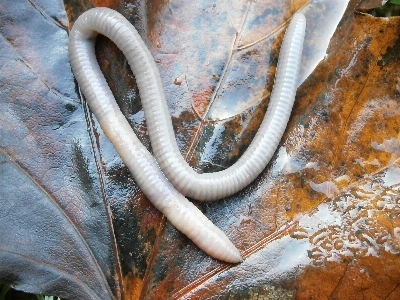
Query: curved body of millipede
[[167, 195]]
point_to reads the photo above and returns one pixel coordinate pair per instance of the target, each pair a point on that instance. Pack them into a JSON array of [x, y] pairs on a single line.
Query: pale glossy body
[[209, 186]]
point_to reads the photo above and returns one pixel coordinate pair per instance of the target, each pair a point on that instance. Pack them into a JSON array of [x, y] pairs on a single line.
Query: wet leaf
[[326, 209], [54, 232]]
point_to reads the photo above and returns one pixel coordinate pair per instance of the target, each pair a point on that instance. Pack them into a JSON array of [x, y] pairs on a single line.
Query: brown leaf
[[320, 222], [369, 4]]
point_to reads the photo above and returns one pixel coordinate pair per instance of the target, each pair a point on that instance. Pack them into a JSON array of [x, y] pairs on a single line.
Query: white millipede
[[167, 195]]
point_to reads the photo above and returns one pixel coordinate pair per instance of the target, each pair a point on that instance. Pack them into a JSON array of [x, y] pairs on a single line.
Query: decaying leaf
[[326, 209], [54, 233]]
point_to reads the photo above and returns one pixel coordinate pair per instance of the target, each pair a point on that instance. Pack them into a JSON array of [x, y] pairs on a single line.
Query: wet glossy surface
[[326, 209], [53, 195], [293, 210], [237, 49]]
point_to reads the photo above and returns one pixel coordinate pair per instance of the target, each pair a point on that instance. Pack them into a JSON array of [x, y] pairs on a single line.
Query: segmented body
[[167, 195]]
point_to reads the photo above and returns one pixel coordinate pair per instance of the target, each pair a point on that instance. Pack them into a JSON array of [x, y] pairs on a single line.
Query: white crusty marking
[[209, 186]]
